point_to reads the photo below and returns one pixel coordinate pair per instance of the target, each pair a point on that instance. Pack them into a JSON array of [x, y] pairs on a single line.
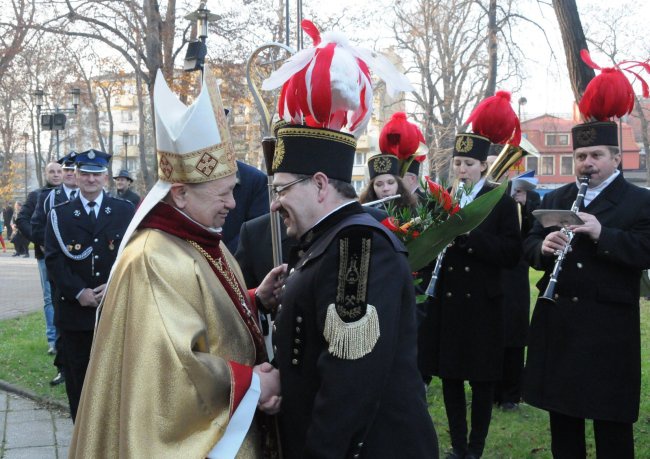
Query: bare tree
[[574, 40], [14, 32]]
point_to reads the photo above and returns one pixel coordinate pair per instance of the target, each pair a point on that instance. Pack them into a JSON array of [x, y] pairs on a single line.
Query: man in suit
[[123, 182], [252, 198], [81, 241], [65, 191], [53, 178], [584, 348]]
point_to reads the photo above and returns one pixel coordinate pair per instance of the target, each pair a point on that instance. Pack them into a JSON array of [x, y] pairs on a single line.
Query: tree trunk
[[574, 40], [491, 86]]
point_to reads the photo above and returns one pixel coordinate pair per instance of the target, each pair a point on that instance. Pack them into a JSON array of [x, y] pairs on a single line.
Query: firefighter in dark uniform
[[81, 241], [584, 356]]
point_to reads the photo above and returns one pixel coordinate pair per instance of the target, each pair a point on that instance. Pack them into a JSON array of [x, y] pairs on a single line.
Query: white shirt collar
[[68, 190], [330, 213], [469, 197], [98, 202], [592, 193]]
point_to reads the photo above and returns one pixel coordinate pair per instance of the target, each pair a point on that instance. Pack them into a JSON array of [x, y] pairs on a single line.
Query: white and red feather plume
[[329, 85], [610, 93]]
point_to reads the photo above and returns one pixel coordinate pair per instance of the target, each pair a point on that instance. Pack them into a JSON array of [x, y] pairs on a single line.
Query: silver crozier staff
[[561, 254]]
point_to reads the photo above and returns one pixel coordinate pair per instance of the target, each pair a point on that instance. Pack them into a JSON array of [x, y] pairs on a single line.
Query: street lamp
[[53, 119], [197, 50], [522, 101], [125, 141], [25, 137]]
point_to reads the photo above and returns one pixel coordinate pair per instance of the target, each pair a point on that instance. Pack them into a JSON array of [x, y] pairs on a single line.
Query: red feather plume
[[610, 93], [400, 137], [495, 119]]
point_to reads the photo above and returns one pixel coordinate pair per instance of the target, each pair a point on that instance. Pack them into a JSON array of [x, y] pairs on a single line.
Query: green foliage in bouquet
[[429, 228]]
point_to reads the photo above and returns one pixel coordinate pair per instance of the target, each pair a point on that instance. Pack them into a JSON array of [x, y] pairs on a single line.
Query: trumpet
[[508, 156], [549, 293], [431, 288]]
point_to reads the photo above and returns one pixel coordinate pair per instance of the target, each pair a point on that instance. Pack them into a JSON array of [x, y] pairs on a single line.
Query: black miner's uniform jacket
[[78, 256], [335, 407], [584, 352]]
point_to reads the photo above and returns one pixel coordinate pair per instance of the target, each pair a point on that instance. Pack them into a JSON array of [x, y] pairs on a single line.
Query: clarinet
[[431, 288], [549, 293]]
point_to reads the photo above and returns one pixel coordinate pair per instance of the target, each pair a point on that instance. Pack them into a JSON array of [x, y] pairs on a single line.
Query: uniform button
[[96, 240], [299, 319], [63, 298], [274, 328], [556, 296], [466, 269], [297, 329], [294, 361], [451, 268], [97, 274], [275, 349], [468, 295], [292, 270], [96, 257], [470, 250], [579, 265], [574, 299], [360, 444], [296, 351], [448, 294], [297, 341], [356, 456]]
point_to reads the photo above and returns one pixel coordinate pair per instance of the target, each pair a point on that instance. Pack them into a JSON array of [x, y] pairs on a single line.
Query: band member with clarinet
[[461, 338], [584, 349]]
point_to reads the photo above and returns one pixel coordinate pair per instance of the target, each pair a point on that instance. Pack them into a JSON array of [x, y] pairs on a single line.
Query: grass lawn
[[521, 434], [24, 361]]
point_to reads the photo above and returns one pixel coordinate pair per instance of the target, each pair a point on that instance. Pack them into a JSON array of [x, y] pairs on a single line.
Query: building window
[[359, 159], [548, 165], [566, 165], [532, 163], [357, 184], [642, 161], [127, 116], [557, 140]]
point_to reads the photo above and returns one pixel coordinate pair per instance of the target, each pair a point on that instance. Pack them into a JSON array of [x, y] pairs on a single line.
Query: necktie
[[73, 194], [91, 214]]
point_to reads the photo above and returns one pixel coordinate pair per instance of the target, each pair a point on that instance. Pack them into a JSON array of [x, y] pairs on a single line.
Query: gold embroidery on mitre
[[204, 165], [464, 144], [381, 165], [586, 136]]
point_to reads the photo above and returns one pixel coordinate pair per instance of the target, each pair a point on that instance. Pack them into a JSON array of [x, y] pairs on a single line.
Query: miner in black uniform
[[584, 359], [345, 334], [81, 241]]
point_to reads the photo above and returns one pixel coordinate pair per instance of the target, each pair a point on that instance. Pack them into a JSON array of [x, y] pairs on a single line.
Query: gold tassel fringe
[[351, 341]]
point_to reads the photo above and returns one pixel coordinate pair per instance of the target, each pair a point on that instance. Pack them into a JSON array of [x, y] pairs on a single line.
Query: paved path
[[20, 285], [28, 430]]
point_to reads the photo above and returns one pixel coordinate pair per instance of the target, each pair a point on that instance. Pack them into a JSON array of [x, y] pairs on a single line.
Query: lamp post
[[53, 119], [25, 137], [522, 101], [197, 50], [125, 142]]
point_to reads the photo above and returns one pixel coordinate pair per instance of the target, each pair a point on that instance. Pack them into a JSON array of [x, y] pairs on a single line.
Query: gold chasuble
[[172, 355]]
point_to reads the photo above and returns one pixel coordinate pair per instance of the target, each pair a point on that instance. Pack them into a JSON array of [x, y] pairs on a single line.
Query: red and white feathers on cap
[[495, 119], [610, 93], [400, 137], [329, 85]]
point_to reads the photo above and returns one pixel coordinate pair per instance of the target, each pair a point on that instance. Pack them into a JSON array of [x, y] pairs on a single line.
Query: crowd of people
[[171, 346]]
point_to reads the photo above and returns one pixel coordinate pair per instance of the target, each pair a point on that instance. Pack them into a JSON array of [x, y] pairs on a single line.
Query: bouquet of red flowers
[[434, 223]]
